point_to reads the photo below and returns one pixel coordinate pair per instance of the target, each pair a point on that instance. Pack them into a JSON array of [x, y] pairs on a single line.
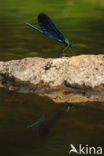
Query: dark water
[[82, 22]]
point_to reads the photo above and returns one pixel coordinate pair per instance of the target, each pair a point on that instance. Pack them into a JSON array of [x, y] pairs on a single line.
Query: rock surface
[[84, 73]]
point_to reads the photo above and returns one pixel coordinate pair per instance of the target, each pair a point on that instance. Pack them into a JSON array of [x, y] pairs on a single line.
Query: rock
[[81, 74]]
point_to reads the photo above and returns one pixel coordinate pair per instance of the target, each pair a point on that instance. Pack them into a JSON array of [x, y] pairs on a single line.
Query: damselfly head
[[66, 42], [69, 44]]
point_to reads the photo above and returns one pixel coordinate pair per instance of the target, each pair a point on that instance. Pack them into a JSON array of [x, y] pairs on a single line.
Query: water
[[82, 23]]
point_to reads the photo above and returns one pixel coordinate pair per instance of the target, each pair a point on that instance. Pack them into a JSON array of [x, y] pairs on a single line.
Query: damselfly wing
[[48, 28]]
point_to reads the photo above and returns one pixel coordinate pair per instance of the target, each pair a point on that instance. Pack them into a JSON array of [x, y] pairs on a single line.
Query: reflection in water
[[48, 121]]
